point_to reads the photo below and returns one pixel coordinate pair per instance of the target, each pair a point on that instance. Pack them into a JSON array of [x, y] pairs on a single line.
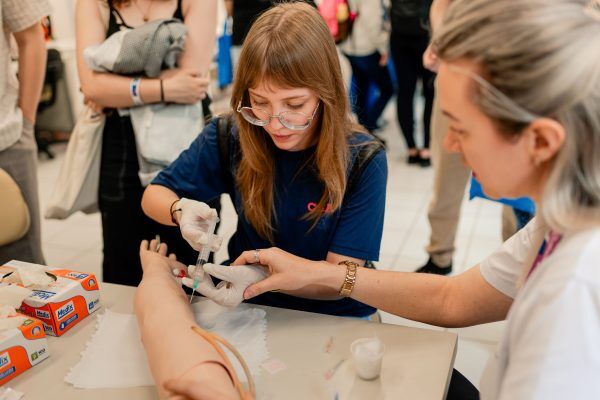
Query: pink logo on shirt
[[312, 205]]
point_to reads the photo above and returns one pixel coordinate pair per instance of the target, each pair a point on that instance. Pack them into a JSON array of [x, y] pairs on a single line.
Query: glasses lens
[[255, 116], [294, 120]]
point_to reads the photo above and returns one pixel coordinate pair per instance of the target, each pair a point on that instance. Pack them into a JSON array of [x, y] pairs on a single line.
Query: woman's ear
[[545, 137]]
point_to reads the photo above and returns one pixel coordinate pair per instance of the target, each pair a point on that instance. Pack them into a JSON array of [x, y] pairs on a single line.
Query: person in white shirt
[[520, 85]]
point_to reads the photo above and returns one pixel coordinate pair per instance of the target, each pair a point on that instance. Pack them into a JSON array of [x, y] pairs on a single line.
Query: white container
[[367, 354]]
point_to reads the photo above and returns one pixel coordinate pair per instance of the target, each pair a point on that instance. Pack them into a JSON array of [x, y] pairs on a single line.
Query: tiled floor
[[76, 242]]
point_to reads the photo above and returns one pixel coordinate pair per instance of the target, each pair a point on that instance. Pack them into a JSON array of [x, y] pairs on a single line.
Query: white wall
[[63, 30]]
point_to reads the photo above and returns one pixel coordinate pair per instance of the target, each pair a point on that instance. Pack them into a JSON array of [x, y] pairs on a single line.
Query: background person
[[18, 104], [367, 51], [408, 41], [124, 225]]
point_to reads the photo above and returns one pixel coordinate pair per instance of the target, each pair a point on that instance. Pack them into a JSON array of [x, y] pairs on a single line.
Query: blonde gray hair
[[544, 57]]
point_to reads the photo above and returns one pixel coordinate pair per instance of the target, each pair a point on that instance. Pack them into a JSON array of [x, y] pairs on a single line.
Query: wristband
[[162, 92], [173, 211], [134, 91]]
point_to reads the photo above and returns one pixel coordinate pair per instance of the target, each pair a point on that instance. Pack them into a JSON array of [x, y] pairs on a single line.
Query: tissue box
[[63, 303], [21, 348]]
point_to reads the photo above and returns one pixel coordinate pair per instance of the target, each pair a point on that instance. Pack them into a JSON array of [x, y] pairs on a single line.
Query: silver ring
[[257, 256]]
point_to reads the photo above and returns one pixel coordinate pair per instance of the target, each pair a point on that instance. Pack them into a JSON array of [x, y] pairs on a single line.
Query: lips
[[282, 138]]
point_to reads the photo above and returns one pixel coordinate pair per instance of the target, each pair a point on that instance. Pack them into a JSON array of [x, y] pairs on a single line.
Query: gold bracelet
[[350, 279]]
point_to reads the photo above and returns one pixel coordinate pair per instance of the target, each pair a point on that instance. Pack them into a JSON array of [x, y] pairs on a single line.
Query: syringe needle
[[193, 290]]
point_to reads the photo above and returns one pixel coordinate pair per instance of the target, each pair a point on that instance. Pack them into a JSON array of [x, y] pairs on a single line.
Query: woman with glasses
[[291, 151], [519, 83]]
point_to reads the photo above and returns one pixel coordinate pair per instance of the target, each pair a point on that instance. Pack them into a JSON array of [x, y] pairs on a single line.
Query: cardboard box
[[62, 304], [21, 348]]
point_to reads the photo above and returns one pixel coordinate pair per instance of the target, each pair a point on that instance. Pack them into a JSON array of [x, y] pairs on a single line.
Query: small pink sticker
[[274, 366]]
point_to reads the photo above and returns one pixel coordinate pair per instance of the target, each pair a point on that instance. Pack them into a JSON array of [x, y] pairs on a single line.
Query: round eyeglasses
[[293, 120]]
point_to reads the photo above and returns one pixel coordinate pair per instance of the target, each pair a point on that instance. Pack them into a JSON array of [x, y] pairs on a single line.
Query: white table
[[417, 362]]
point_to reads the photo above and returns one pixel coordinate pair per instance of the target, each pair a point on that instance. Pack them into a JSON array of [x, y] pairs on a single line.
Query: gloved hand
[[196, 218], [235, 279]]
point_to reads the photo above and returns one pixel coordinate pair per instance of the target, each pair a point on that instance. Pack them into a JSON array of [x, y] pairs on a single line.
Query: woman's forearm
[[32, 60], [463, 300], [112, 90], [156, 203]]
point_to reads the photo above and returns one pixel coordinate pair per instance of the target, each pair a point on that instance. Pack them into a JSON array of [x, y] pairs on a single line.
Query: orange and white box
[[21, 348], [65, 302]]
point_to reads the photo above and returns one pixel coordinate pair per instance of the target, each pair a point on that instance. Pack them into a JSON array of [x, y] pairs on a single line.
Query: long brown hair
[[290, 46]]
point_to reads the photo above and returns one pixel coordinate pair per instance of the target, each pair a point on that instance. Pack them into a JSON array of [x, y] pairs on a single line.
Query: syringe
[[203, 255]]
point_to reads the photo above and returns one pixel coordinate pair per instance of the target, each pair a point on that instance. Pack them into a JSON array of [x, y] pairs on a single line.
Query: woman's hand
[[154, 258], [195, 221], [430, 59], [95, 107], [286, 271], [185, 86], [234, 281]]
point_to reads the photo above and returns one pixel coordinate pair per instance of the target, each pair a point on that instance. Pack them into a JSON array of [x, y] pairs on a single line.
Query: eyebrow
[[452, 117], [300, 96]]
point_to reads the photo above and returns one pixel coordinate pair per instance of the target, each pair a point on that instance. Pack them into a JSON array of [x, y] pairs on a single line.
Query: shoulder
[[365, 148], [504, 267], [577, 258]]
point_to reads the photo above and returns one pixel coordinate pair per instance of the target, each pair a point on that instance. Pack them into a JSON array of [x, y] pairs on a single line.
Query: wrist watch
[[350, 279]]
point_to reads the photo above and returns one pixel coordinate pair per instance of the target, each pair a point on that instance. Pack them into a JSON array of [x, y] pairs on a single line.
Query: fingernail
[[248, 294]]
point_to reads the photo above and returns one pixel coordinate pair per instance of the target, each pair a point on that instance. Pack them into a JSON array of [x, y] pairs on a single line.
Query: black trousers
[[124, 225], [407, 54], [461, 388]]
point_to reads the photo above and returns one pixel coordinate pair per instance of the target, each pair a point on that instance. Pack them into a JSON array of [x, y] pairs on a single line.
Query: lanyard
[[547, 247]]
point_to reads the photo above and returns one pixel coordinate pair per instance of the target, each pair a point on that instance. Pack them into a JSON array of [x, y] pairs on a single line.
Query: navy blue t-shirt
[[354, 230]]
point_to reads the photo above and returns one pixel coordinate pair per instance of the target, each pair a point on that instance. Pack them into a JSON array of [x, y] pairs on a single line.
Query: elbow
[[90, 93], [452, 312], [146, 199]]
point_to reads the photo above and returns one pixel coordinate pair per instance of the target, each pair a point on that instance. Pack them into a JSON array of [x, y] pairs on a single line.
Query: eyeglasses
[[293, 120]]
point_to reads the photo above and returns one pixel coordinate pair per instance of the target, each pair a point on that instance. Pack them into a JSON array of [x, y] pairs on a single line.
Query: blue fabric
[[224, 65], [373, 91], [371, 88], [355, 230], [522, 203]]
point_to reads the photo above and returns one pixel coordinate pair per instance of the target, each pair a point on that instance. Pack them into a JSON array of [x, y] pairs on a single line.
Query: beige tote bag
[[76, 188], [14, 213]]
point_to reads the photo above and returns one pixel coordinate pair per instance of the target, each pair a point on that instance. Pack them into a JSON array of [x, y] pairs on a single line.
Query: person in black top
[[244, 13], [124, 224], [408, 41]]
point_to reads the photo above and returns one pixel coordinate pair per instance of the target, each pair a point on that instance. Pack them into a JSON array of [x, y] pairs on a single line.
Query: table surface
[[417, 362]]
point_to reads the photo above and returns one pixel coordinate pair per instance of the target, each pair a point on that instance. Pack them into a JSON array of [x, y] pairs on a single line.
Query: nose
[[275, 123], [451, 143]]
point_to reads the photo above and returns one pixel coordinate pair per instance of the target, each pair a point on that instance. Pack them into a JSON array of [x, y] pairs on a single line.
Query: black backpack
[[224, 132]]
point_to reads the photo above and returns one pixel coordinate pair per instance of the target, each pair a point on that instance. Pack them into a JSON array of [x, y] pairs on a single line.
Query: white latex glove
[[196, 217], [235, 279]]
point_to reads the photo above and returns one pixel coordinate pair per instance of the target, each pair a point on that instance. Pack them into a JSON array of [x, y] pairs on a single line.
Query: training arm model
[[182, 363], [462, 300], [186, 84]]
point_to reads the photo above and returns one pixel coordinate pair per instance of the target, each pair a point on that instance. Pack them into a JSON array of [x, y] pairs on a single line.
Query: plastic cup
[[367, 354]]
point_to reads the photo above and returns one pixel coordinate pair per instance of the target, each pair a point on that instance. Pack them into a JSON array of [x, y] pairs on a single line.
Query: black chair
[[54, 73]]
